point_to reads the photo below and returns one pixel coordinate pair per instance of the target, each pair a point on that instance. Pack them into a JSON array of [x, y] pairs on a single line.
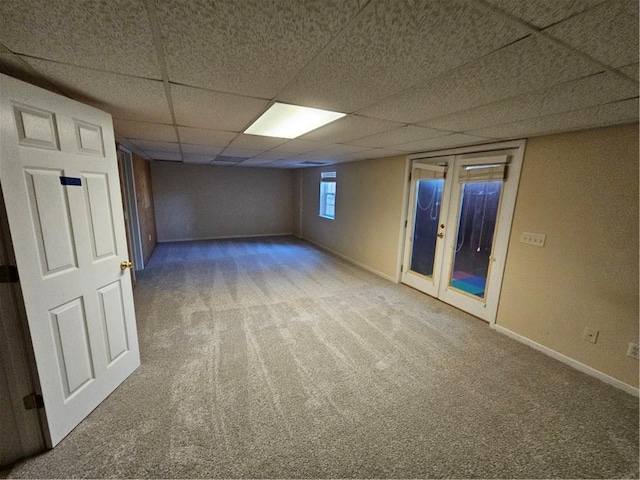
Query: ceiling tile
[[127, 144], [256, 142], [272, 155], [240, 152], [252, 47], [10, 63], [593, 90], [375, 153], [210, 150], [297, 146], [170, 156], [542, 13], [349, 128], [195, 107], [327, 154], [204, 136], [339, 149], [87, 34], [447, 141], [631, 70], [399, 135], [530, 64], [148, 146], [226, 159], [127, 98], [393, 45], [197, 158], [255, 161], [624, 111], [608, 32], [145, 131]]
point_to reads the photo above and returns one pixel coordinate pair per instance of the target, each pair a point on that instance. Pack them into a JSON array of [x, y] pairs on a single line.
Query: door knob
[[125, 264], [441, 235]]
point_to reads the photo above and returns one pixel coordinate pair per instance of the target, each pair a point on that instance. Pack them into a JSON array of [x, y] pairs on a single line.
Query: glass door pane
[[478, 213], [427, 216]]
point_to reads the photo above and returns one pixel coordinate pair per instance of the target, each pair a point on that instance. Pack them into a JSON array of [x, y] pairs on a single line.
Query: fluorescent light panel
[[290, 121]]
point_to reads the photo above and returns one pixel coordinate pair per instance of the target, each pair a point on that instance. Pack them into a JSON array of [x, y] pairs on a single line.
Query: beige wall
[[296, 225], [581, 190], [369, 207], [204, 201]]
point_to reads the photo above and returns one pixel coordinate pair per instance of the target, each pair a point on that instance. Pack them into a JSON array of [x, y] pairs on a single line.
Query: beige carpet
[[270, 358]]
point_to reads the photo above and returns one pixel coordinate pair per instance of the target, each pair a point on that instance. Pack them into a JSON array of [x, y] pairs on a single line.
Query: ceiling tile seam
[[82, 67], [40, 78], [470, 132], [328, 45], [224, 92], [443, 74], [495, 102], [587, 126], [272, 100], [414, 124], [544, 34], [157, 41], [574, 14]]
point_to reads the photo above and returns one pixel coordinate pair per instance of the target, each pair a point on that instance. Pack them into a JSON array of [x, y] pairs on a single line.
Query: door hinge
[[402, 268], [8, 274], [409, 177], [32, 401], [405, 223]]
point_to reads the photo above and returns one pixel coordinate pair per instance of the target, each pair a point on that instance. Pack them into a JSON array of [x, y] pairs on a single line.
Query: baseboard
[[351, 260], [227, 237], [570, 361]]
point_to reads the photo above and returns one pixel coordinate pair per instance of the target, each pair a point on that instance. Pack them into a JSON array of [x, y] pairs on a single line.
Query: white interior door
[[456, 251], [59, 177]]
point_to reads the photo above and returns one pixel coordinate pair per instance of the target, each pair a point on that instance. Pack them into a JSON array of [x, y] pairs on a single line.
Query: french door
[[458, 225]]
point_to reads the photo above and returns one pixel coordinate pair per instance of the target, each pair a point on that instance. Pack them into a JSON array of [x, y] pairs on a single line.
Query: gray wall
[[204, 201]]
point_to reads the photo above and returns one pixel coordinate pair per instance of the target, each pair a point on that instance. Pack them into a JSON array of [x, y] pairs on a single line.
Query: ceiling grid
[[183, 80]]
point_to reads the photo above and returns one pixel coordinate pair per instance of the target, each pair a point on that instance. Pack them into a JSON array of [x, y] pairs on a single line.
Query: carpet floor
[[269, 358]]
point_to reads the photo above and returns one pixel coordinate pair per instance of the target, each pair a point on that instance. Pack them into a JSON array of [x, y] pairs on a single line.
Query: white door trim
[[131, 206]]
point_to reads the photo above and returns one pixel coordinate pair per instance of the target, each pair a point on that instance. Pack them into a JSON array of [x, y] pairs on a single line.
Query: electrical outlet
[[535, 239], [633, 352], [590, 335]]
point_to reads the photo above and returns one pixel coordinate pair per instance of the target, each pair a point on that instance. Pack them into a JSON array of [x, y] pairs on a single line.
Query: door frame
[[509, 199], [17, 361], [132, 220]]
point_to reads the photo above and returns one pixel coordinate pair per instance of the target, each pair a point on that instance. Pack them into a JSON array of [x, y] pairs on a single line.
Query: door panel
[[50, 211], [113, 320], [425, 227], [459, 258], [98, 203], [59, 177], [69, 325]]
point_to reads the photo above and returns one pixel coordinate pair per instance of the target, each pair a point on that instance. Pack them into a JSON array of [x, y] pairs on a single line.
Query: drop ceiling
[[183, 80]]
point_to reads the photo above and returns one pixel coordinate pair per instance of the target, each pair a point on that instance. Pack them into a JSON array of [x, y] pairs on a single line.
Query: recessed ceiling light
[[290, 121]]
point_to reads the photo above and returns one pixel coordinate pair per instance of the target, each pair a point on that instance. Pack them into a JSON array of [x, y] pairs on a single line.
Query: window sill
[[327, 217]]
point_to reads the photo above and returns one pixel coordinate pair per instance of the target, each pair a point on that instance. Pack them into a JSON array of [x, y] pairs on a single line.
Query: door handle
[[125, 264]]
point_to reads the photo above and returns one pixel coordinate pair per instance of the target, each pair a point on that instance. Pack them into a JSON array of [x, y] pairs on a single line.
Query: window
[[328, 195]]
